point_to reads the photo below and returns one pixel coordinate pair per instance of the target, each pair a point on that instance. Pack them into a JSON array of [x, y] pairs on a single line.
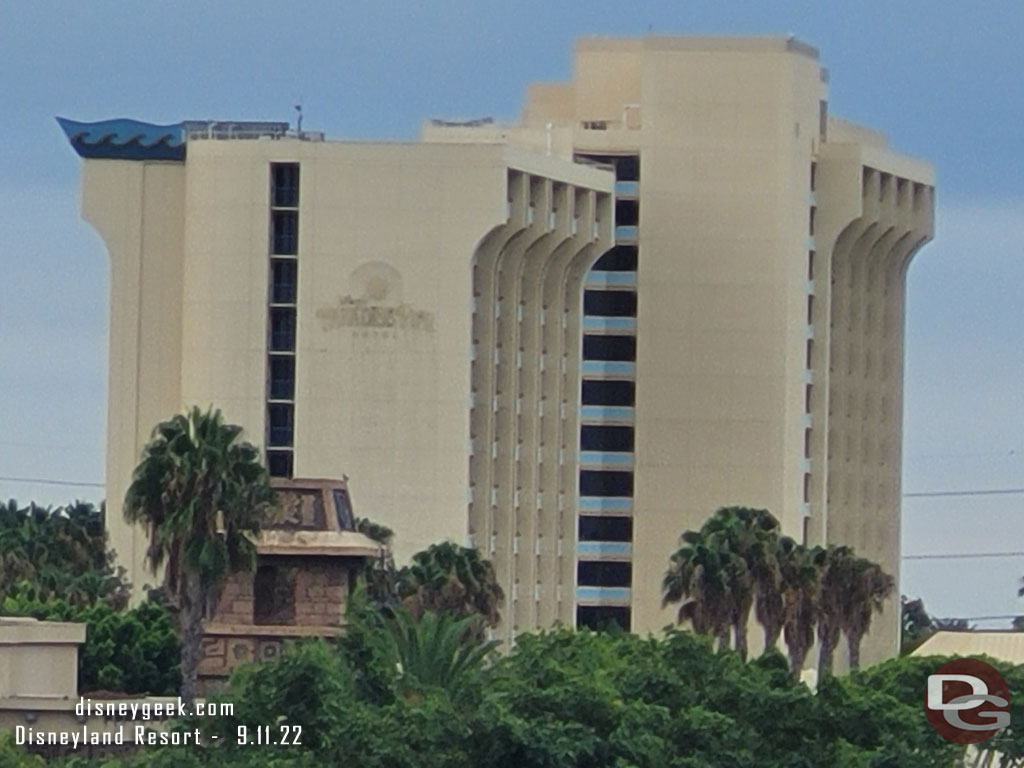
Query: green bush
[[133, 651]]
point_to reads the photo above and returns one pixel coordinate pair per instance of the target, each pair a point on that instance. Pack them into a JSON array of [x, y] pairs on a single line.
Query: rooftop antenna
[[298, 108]]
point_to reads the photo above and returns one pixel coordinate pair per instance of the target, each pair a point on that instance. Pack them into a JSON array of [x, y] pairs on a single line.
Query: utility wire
[[978, 618], [962, 555], [47, 481], [979, 492]]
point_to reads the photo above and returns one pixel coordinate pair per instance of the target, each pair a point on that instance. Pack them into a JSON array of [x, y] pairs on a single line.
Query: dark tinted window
[[282, 329], [279, 463], [279, 424], [627, 213], [604, 483], [284, 185], [609, 303], [601, 618], [283, 275], [599, 528], [609, 348], [621, 258], [627, 167], [604, 574], [600, 438], [284, 232], [608, 392], [343, 509], [282, 377]]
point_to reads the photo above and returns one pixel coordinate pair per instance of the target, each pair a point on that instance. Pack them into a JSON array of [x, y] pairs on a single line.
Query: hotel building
[[675, 284]]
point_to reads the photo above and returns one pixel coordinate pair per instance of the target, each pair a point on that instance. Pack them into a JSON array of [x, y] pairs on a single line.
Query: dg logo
[[967, 701]]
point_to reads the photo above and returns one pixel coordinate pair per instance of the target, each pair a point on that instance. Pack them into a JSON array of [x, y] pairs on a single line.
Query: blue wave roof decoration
[[125, 139]]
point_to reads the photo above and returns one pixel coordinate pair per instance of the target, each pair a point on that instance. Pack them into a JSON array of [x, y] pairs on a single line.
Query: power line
[[980, 618], [978, 492], [962, 555], [47, 481]]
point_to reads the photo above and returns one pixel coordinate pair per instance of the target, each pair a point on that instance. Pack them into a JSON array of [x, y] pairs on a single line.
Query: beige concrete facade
[[772, 247], [384, 341], [440, 327]]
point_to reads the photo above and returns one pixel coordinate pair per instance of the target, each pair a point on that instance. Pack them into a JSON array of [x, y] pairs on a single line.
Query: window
[[810, 310], [621, 258], [280, 429], [282, 329], [283, 278], [274, 595], [343, 509], [604, 573], [810, 265], [627, 213], [627, 167], [284, 185], [279, 463], [601, 438], [609, 348], [810, 224], [601, 618], [605, 483], [284, 232], [599, 528], [609, 303], [282, 377], [814, 176], [608, 392]]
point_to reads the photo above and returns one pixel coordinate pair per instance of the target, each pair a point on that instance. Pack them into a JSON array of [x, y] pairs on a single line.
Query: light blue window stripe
[[611, 279], [615, 458], [606, 412], [627, 187], [603, 548], [597, 323], [603, 593], [605, 503], [607, 366], [625, 232]]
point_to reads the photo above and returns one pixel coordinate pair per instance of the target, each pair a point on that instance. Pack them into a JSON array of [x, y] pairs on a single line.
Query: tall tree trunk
[[827, 646], [771, 636], [796, 660], [723, 640], [739, 632], [853, 641], [191, 617]]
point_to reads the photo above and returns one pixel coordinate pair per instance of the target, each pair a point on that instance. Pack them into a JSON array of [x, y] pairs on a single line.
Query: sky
[[942, 79]]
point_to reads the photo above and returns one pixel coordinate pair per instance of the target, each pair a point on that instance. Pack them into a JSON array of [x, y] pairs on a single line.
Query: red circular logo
[[967, 701]]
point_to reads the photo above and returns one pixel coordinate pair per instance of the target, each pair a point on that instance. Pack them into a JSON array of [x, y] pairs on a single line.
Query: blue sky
[[942, 79]]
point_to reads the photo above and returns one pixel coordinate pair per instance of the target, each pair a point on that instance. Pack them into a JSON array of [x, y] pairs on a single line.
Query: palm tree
[[837, 579], [436, 650], [201, 495], [698, 579], [800, 570], [447, 578], [749, 536], [870, 587]]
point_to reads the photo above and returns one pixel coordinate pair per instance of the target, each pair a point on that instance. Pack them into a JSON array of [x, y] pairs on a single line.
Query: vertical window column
[[282, 297], [604, 519], [809, 363]]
